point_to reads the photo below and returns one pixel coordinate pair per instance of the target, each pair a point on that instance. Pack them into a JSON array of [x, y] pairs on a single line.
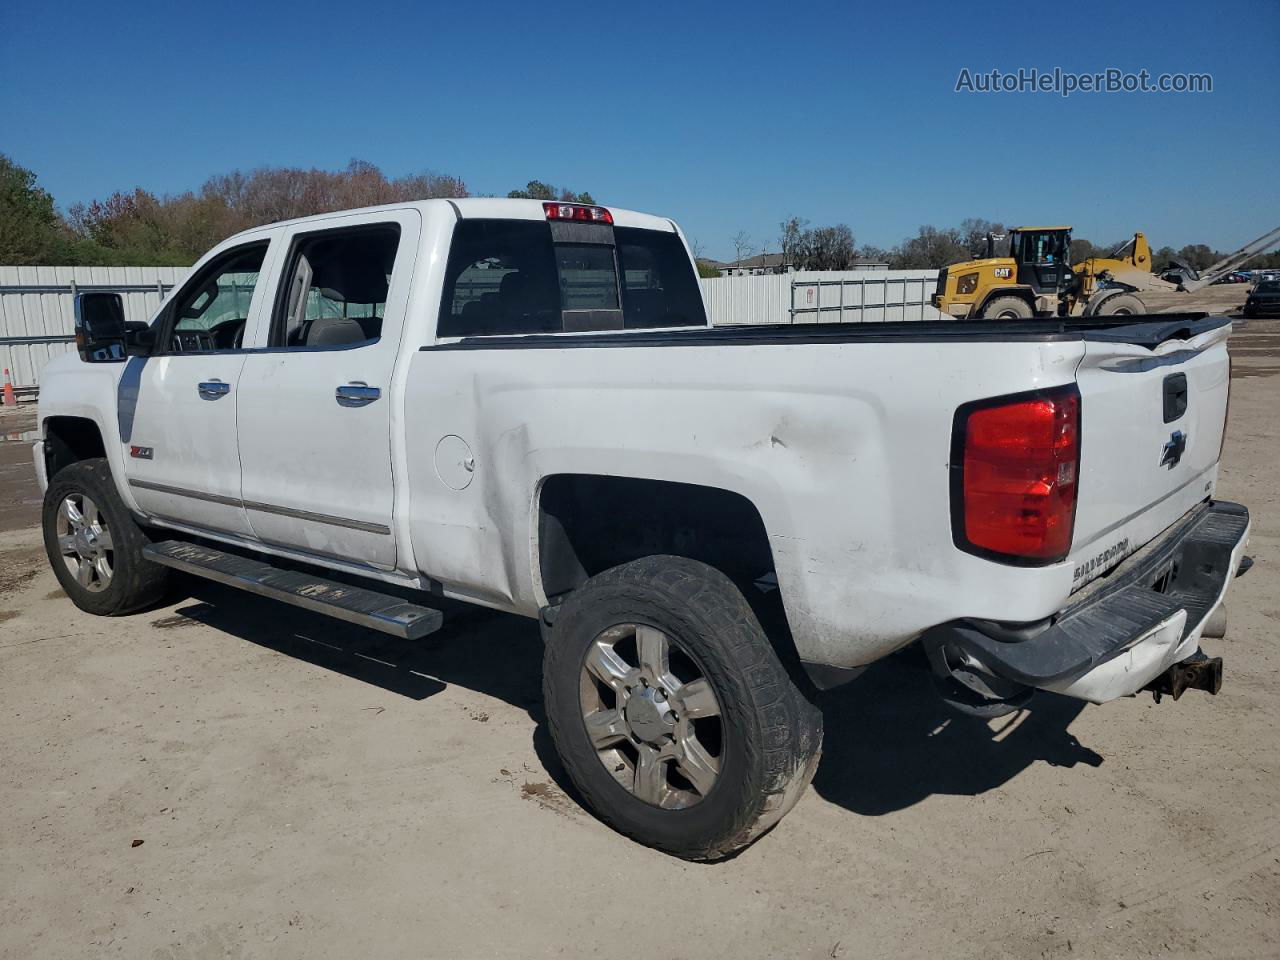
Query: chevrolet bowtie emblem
[[1172, 451]]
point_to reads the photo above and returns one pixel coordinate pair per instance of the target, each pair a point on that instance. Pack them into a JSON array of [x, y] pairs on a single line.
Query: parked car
[[1263, 299], [521, 405]]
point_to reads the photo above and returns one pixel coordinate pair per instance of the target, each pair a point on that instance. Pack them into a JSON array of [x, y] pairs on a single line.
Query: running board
[[378, 611]]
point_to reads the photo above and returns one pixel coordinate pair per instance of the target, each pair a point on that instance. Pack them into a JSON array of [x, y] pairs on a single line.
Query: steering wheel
[[227, 335]]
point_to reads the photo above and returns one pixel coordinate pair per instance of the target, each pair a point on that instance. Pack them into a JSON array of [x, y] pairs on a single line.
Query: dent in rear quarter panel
[[841, 447]]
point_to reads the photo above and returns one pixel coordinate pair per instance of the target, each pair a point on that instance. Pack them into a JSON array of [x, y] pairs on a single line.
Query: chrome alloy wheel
[[84, 541], [651, 715]]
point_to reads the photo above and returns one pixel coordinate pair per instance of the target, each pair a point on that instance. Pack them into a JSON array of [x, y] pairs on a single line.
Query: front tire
[[95, 545], [671, 711]]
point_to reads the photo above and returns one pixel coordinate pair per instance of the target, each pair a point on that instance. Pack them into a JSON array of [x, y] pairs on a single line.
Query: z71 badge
[[140, 453]]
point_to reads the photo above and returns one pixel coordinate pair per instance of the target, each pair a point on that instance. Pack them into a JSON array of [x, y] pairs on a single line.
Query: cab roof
[[475, 207]]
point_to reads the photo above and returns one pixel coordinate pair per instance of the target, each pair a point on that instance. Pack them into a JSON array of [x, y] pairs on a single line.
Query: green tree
[[31, 231], [537, 190]]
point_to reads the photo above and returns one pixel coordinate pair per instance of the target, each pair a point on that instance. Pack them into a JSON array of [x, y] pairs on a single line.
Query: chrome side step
[[368, 608]]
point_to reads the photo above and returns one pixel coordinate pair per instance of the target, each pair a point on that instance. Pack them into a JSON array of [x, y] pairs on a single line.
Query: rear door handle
[[213, 389], [356, 394]]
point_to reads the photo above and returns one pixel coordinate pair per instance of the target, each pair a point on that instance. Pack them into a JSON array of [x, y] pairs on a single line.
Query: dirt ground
[[224, 777]]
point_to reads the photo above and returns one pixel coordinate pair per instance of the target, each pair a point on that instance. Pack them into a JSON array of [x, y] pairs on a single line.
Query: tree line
[[833, 248], [140, 228]]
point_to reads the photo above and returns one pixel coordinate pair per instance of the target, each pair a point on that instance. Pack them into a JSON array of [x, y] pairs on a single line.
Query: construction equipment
[[1036, 278]]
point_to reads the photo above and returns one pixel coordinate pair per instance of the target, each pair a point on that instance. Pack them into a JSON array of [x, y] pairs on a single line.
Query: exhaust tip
[[1215, 627]]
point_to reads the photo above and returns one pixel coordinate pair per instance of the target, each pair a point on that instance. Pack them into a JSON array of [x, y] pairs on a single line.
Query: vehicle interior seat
[[353, 274]]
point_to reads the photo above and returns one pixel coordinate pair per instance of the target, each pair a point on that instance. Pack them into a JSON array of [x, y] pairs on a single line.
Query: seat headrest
[[358, 275]]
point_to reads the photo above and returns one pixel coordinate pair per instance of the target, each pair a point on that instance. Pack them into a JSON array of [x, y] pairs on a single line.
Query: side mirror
[[100, 327]]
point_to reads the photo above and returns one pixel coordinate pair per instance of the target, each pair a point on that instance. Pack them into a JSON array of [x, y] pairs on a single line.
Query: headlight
[[967, 283]]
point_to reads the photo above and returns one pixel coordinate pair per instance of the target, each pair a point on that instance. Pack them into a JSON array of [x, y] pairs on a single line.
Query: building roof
[[759, 260]]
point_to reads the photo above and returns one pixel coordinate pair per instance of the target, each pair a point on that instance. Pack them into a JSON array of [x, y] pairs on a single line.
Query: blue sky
[[726, 117]]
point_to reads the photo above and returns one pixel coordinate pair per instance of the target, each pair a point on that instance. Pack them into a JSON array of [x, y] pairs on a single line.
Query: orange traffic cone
[[9, 399]]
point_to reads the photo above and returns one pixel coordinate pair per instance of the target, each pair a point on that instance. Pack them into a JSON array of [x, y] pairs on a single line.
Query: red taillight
[[582, 212], [1019, 462]]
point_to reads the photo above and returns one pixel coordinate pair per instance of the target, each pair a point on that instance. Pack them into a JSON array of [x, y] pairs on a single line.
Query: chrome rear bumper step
[[368, 608]]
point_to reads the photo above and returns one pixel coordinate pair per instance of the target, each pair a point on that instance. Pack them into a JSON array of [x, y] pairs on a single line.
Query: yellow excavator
[[1037, 279]]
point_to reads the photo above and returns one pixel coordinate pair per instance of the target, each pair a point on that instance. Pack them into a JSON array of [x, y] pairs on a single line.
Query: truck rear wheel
[[671, 711], [1007, 308], [95, 545]]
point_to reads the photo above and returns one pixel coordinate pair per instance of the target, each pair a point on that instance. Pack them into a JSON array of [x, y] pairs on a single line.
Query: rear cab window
[[507, 277]]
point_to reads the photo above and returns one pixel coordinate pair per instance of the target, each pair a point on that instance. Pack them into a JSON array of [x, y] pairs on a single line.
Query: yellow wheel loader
[[1037, 279]]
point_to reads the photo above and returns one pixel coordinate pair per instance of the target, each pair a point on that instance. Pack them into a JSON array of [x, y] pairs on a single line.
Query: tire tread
[[782, 754]]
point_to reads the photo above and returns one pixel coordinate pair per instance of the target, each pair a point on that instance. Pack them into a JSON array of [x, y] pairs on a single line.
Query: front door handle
[[213, 389], [357, 393]]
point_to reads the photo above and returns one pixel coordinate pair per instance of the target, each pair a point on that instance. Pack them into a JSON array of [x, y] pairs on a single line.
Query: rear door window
[[335, 293]]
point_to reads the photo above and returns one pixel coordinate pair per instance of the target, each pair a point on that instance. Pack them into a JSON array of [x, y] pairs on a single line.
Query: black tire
[[1007, 308], [134, 581], [1121, 305], [772, 735]]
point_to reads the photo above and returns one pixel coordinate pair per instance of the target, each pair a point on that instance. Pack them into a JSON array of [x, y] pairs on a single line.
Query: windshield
[[1044, 246], [1268, 286]]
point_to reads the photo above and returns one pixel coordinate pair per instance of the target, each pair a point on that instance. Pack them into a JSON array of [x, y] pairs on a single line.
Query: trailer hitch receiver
[[1197, 672]]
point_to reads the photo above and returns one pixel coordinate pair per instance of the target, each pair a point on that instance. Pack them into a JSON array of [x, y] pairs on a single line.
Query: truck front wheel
[[671, 711], [95, 545]]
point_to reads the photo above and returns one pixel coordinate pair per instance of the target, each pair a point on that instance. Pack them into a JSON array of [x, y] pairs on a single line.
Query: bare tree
[[791, 239], [830, 248], [929, 248], [819, 248], [741, 245]]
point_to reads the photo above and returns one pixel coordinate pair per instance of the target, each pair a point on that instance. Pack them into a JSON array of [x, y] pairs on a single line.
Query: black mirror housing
[[100, 327]]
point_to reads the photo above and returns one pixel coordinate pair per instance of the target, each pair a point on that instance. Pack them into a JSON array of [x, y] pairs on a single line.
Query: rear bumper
[[1123, 631]]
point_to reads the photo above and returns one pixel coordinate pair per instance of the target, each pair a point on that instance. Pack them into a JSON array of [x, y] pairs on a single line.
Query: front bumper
[[1121, 632], [42, 466]]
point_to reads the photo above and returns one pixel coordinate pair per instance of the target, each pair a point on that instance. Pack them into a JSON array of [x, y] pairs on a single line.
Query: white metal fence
[[829, 296], [36, 315]]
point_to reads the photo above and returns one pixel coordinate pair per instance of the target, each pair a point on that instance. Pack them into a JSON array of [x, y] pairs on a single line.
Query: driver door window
[[210, 314]]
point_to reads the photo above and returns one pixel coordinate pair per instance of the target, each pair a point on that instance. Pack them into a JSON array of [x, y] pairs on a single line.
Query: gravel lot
[[224, 777]]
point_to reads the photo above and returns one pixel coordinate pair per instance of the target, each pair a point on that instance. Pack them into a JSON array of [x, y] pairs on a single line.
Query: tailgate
[[1152, 421]]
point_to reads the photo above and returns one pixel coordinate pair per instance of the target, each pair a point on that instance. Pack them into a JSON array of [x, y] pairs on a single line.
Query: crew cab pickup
[[522, 405]]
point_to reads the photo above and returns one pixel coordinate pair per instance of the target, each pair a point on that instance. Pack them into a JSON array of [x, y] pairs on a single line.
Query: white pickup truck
[[521, 405]]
